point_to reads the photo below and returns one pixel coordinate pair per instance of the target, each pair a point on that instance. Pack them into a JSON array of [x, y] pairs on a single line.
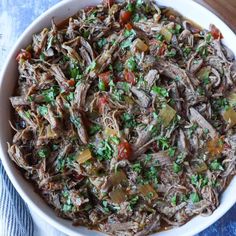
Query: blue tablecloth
[[15, 16]]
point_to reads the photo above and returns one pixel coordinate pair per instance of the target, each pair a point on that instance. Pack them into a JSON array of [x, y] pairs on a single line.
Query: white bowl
[[8, 80]]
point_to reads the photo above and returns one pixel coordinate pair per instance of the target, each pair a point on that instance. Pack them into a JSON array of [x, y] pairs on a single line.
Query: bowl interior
[[8, 80]]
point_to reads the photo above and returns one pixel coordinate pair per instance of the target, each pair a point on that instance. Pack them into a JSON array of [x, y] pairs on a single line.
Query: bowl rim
[[4, 157]]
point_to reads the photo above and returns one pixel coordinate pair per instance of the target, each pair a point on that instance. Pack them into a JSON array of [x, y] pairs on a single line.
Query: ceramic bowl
[[8, 80]]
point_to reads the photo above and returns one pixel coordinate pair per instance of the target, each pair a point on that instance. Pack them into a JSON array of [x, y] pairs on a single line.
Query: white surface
[[7, 82], [42, 228]]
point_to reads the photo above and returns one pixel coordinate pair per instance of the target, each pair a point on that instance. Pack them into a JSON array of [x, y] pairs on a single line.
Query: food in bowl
[[125, 118]]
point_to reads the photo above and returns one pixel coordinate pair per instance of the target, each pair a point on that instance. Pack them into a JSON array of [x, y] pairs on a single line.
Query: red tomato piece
[[162, 49], [124, 151], [77, 176], [130, 77], [129, 26], [25, 55], [102, 102], [125, 16], [105, 77], [155, 147], [215, 32], [71, 82]]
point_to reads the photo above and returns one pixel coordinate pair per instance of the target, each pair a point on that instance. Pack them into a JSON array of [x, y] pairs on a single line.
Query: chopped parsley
[[102, 42], [215, 165], [220, 104], [27, 114], [118, 66], [163, 143], [128, 120], [160, 91], [176, 168], [171, 151], [133, 201], [171, 53], [93, 129], [114, 139], [76, 121], [137, 167], [131, 64], [130, 7], [91, 67], [74, 71], [194, 197], [202, 50], [43, 153], [42, 56], [147, 159], [174, 200], [192, 129], [42, 110], [70, 97], [68, 205], [151, 175], [118, 95], [180, 158], [105, 206], [50, 94], [198, 181], [130, 34], [101, 85], [160, 37], [186, 51], [104, 151]]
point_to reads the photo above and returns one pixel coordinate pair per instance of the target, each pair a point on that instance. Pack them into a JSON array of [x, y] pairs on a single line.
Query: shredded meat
[[124, 118]]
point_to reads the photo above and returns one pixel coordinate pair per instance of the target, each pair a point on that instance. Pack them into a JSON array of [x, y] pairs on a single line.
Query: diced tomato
[[25, 55], [130, 77], [102, 101], [215, 32], [125, 16], [108, 3], [124, 151], [77, 176], [71, 82], [105, 77], [155, 147], [162, 49], [129, 26]]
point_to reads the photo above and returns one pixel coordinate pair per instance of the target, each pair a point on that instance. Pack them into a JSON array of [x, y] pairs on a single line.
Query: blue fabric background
[[15, 16]]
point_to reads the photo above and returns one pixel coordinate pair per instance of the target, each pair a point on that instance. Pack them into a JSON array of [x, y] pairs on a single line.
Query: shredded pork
[[125, 117]]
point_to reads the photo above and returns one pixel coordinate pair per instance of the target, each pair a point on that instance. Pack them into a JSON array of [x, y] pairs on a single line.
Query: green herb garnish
[[93, 129], [160, 91], [128, 120], [215, 165], [102, 42], [176, 168], [137, 167], [42, 110], [43, 153], [131, 64], [104, 151], [194, 197]]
